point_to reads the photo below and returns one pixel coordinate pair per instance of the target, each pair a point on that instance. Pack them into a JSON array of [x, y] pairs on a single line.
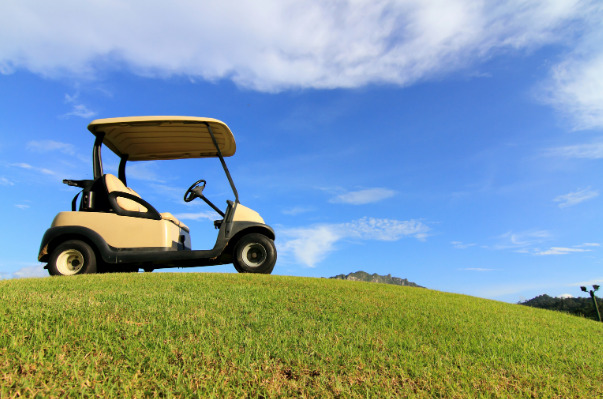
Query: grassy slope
[[234, 335]]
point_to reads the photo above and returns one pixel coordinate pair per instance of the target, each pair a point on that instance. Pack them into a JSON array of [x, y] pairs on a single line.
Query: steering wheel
[[194, 191]]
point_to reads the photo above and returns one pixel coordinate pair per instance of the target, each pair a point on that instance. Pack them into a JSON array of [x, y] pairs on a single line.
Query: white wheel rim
[[70, 262], [254, 255]]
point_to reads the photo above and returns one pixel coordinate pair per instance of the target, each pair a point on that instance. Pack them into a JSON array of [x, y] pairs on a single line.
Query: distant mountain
[[376, 278]]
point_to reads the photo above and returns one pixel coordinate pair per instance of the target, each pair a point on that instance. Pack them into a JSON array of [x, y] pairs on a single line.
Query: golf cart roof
[[146, 138]]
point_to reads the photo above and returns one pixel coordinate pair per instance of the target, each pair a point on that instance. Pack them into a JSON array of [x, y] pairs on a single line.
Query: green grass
[[237, 335]]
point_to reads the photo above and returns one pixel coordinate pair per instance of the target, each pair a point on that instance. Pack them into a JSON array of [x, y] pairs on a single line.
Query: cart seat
[[173, 219], [114, 184]]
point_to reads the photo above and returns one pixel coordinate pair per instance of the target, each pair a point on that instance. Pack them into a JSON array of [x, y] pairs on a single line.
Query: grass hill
[[376, 278], [238, 335]]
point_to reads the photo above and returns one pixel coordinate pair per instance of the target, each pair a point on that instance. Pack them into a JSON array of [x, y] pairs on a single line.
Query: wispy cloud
[[588, 244], [22, 206], [584, 151], [145, 171], [5, 182], [530, 242], [31, 271], [167, 192], [310, 245], [595, 281], [561, 251], [362, 197], [586, 247], [522, 240], [296, 210], [78, 109], [81, 111], [197, 216], [576, 197], [50, 145], [462, 245], [27, 166]]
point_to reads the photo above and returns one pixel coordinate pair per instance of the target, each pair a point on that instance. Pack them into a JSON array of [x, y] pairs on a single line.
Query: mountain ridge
[[376, 278]]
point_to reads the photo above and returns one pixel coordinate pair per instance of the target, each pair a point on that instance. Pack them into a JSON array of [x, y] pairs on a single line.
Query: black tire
[[72, 257], [254, 253]]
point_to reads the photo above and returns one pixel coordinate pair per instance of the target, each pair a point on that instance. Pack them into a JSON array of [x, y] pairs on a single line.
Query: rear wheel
[[254, 253], [72, 257]]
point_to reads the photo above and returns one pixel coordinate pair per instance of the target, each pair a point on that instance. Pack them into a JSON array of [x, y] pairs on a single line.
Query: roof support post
[[232, 185], [97, 162], [122, 169]]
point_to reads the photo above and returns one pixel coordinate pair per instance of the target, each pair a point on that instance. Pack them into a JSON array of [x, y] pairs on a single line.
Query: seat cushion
[[114, 184], [173, 219]]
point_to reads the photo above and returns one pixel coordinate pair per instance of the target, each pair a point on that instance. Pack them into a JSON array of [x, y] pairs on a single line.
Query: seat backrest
[[115, 185]]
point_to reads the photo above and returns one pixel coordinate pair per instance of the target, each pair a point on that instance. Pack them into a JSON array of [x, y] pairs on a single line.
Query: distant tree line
[[577, 306], [376, 278]]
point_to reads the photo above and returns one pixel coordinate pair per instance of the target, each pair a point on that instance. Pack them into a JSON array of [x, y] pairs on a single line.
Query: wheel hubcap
[[70, 262], [254, 254]]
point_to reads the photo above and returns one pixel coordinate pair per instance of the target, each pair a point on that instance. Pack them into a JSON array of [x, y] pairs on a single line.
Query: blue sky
[[454, 143]]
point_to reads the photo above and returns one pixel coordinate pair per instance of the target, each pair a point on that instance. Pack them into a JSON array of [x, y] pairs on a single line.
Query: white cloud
[[561, 251], [81, 111], [522, 240], [22, 206], [565, 296], [310, 245], [5, 182], [588, 244], [275, 45], [595, 281], [584, 151], [278, 44], [31, 271], [78, 109], [575, 87], [576, 197], [50, 145], [27, 166], [385, 229], [461, 245], [528, 242], [23, 165], [296, 210], [205, 215], [362, 197]]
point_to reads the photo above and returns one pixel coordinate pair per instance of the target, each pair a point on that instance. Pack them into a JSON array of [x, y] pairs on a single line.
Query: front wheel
[[255, 253], [70, 258]]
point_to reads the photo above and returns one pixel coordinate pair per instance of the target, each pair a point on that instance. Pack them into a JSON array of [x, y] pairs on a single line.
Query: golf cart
[[113, 229]]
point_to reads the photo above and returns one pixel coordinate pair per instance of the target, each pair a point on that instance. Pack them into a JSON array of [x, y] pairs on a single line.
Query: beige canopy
[[145, 138]]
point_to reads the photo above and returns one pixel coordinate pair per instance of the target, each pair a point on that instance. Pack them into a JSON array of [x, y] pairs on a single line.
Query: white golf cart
[[113, 229]]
